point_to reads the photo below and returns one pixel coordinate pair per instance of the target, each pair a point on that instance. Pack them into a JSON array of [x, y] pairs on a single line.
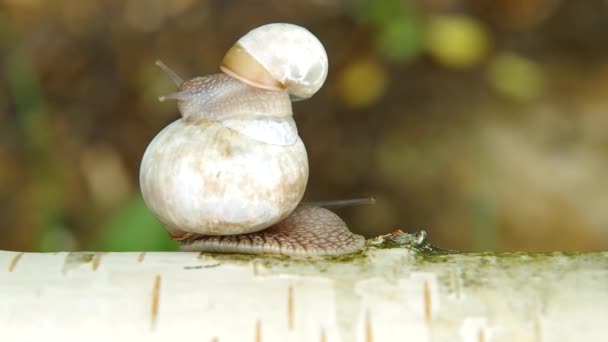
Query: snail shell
[[279, 56], [233, 164]]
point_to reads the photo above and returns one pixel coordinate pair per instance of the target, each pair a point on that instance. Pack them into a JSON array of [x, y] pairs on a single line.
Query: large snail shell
[[202, 177], [279, 56]]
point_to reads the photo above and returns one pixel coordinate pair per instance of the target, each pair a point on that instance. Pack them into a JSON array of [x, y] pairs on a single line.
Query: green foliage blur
[[482, 122]]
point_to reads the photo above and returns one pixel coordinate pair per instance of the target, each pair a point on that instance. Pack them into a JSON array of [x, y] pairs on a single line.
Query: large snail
[[230, 174]]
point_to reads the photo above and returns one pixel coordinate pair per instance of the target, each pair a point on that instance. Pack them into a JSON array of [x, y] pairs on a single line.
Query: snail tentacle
[[174, 76]]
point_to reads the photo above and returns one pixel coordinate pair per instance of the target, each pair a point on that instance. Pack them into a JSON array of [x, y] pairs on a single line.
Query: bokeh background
[[483, 122]]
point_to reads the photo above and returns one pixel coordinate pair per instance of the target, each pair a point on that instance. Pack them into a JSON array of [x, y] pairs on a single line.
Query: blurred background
[[482, 122]]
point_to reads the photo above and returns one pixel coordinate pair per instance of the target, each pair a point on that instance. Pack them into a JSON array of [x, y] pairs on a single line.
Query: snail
[[229, 175]]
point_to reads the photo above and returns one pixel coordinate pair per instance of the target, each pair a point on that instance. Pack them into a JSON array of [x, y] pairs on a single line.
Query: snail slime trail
[[229, 175]]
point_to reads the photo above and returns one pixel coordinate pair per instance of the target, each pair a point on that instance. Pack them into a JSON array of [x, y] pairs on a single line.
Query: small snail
[[230, 174]]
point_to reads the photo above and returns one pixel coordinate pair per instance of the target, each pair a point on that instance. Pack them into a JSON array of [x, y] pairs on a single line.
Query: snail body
[[233, 168]]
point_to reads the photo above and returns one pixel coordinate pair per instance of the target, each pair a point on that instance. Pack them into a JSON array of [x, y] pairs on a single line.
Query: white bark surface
[[383, 294]]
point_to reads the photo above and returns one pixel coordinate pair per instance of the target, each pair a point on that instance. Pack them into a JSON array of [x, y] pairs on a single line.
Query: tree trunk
[[398, 289]]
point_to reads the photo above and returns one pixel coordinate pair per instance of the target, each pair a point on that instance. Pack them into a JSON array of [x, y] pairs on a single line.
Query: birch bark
[[398, 289]]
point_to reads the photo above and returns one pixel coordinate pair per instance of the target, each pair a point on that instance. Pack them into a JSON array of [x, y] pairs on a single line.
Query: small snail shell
[[234, 163], [279, 56]]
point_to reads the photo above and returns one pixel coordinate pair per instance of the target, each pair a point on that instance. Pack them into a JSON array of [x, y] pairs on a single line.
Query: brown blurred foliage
[[482, 122]]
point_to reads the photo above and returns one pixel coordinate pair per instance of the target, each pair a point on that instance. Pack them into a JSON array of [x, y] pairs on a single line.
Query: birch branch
[[399, 289]]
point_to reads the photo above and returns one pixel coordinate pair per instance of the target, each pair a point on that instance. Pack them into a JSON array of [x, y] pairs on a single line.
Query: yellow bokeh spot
[[516, 77], [456, 41], [362, 83]]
